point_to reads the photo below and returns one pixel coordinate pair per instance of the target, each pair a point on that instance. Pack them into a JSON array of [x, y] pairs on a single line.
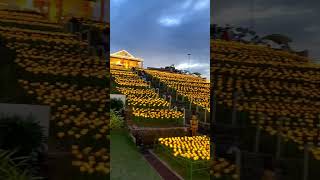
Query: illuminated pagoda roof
[[125, 55]]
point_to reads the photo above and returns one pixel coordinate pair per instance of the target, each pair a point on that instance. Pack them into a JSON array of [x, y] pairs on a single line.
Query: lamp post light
[[205, 115], [237, 152], [236, 95], [184, 116], [279, 137], [306, 161], [189, 61]]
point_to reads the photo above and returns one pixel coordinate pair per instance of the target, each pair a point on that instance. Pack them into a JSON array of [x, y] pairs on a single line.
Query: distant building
[[125, 59]]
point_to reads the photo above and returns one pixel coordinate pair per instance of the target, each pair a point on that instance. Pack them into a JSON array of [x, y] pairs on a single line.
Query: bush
[[10, 170], [25, 137], [116, 122], [116, 104]]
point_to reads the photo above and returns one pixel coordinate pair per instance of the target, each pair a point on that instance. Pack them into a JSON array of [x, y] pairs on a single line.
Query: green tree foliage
[[116, 122], [116, 104]]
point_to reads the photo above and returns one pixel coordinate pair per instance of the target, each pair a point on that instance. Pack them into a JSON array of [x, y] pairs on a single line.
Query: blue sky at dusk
[[163, 32]]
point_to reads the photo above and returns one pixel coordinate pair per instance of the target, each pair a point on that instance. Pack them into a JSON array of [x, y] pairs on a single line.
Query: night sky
[[163, 32], [295, 18]]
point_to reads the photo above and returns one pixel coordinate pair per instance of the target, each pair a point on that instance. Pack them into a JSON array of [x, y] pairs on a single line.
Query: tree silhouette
[[247, 35], [197, 74], [282, 40]]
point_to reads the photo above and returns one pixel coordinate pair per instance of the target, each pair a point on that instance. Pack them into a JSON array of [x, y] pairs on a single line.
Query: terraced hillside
[[187, 91], [274, 91], [49, 66], [148, 109], [144, 89]]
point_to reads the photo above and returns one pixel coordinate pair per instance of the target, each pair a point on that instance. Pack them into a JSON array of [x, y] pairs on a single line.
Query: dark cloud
[[163, 32], [296, 19]]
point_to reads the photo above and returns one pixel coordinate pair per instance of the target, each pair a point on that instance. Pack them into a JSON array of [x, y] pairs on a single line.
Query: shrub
[[11, 170], [23, 135], [116, 104], [26, 138], [116, 122]]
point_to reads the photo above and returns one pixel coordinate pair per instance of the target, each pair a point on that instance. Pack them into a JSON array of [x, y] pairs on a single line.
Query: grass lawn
[[127, 162], [182, 171]]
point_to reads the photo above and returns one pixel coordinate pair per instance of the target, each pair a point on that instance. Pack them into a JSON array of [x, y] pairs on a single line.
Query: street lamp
[[189, 60], [184, 116]]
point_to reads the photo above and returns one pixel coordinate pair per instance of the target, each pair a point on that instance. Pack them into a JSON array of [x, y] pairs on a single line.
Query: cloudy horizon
[[163, 32], [293, 18]]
